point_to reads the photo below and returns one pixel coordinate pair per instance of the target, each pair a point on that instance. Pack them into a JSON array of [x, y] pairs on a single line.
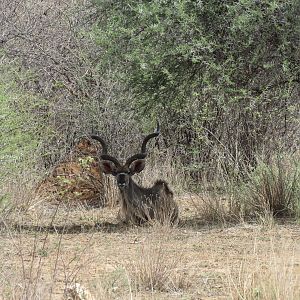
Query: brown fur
[[140, 205]]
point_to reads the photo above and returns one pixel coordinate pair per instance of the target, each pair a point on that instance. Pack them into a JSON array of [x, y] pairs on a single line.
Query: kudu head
[[133, 165]]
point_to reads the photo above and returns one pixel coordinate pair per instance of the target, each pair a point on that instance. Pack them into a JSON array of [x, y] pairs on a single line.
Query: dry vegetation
[[226, 89], [68, 252], [229, 244], [46, 253]]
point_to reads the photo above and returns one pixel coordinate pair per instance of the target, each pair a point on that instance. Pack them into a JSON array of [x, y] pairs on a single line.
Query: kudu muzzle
[[122, 180]]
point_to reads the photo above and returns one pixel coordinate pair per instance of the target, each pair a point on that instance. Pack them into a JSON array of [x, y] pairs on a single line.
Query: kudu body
[[139, 204]]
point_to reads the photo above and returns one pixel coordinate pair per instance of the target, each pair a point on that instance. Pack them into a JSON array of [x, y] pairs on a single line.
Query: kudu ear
[[137, 166], [108, 167]]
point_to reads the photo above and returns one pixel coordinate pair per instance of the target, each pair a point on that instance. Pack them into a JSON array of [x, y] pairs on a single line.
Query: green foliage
[[4, 200], [179, 52], [222, 77], [86, 162], [217, 73], [21, 128]]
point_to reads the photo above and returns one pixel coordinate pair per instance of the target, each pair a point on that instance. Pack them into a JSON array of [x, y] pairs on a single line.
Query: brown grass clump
[[152, 268], [76, 291], [271, 189], [214, 209]]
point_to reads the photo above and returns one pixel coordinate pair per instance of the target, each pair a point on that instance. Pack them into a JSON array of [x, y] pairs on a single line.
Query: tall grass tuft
[[153, 269], [271, 189]]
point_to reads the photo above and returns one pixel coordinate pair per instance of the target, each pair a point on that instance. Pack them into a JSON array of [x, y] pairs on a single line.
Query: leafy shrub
[[22, 131], [216, 72]]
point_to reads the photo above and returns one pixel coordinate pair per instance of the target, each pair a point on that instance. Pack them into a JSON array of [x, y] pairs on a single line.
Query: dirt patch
[[42, 254]]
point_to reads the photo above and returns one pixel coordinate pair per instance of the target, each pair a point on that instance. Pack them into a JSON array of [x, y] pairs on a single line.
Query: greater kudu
[[139, 204]]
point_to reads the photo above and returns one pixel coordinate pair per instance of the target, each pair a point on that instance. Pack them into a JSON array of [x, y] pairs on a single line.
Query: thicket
[[222, 75], [223, 78]]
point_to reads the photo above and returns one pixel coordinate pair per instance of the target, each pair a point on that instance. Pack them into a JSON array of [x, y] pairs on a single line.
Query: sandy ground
[[44, 250]]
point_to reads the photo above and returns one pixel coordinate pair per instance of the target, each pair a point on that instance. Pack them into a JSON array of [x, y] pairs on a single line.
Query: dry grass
[[31, 250], [48, 252], [274, 278], [272, 188], [17, 191], [270, 191], [215, 209], [152, 268], [164, 166]]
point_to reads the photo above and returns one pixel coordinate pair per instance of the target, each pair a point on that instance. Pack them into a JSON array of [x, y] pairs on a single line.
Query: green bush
[[22, 130], [217, 73]]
